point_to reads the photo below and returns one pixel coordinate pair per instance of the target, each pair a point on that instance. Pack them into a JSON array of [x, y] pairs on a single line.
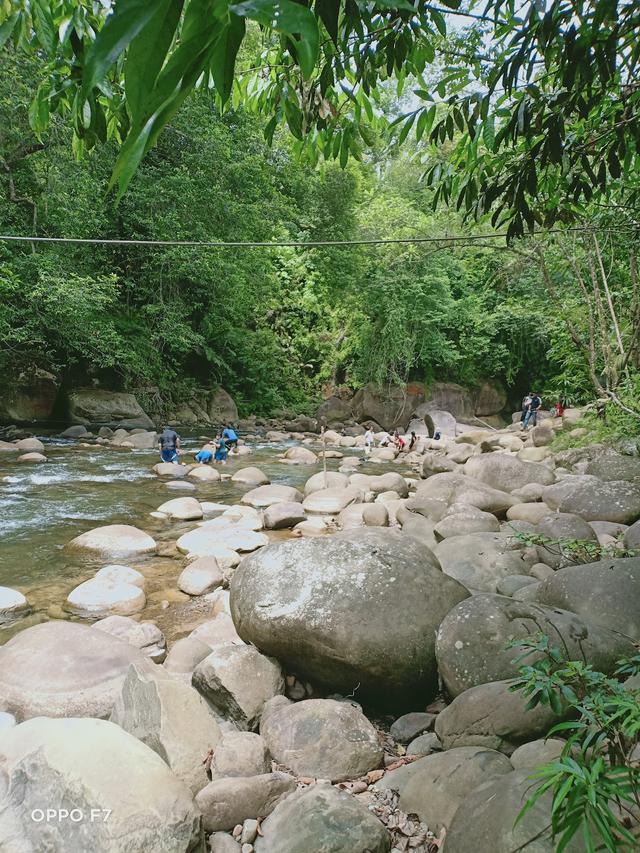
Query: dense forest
[[275, 326]]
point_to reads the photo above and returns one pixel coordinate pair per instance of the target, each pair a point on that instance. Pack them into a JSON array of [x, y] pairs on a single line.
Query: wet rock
[[300, 456], [13, 605], [434, 786], [226, 802], [311, 603], [322, 738], [471, 640], [606, 592], [172, 719], [32, 457], [45, 759], [251, 476], [322, 818], [30, 445], [240, 754], [170, 469], [238, 680], [182, 509], [142, 635], [492, 716], [116, 540]]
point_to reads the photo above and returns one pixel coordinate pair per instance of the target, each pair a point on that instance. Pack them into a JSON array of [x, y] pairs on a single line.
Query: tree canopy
[[538, 102]]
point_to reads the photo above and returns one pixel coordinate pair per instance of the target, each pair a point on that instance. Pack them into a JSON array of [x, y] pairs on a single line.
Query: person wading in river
[[169, 444]]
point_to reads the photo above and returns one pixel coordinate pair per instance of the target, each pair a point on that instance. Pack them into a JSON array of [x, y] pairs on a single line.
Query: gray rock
[[537, 752], [172, 719], [226, 802], [512, 583], [312, 604], [222, 842], [436, 463], [143, 635], [238, 680], [606, 592], [240, 754], [63, 669], [632, 537], [471, 641], [409, 726], [594, 499], [434, 786], [420, 528], [505, 472], [322, 738], [614, 466], [322, 819], [375, 515], [481, 560], [469, 521], [185, 654], [93, 766], [562, 526], [200, 576], [492, 716], [485, 822], [283, 515], [425, 744], [460, 488]]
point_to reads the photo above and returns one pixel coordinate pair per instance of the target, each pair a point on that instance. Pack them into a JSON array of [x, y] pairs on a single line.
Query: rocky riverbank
[[342, 679]]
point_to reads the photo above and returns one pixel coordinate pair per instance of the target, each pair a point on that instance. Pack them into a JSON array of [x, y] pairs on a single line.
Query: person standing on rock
[[231, 438], [532, 413], [526, 402], [222, 451], [412, 442], [369, 442], [169, 444]]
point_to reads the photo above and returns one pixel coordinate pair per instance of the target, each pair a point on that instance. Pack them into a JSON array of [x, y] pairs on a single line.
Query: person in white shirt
[[369, 442]]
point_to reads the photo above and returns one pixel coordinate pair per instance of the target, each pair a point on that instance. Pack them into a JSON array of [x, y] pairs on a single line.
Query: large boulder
[[251, 476], [95, 406], [240, 754], [63, 669], [328, 480], [487, 819], [143, 635], [125, 795], [322, 819], [560, 529], [300, 456], [221, 408], [434, 786], [141, 441], [505, 472], [283, 515], [334, 411], [321, 738], [203, 541], [98, 598], [594, 499], [493, 716], [489, 399], [114, 540], [331, 501], [264, 496], [229, 801], [449, 397], [606, 592], [27, 399], [462, 489], [467, 520], [481, 560], [390, 406], [200, 576], [357, 609], [238, 680], [614, 466], [182, 509], [30, 445], [471, 643], [172, 719]]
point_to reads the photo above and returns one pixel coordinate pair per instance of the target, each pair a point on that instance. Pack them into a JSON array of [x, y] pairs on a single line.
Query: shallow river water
[[44, 506]]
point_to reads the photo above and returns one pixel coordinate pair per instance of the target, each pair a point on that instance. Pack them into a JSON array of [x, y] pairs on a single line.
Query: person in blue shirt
[[204, 456], [231, 438], [221, 450]]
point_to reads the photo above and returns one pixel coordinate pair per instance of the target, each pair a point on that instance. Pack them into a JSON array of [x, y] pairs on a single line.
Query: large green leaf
[[147, 53], [128, 19], [223, 56]]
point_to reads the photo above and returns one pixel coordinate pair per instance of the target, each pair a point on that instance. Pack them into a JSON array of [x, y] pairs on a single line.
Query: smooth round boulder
[[203, 540], [283, 515], [534, 753], [145, 636], [331, 501], [506, 472], [531, 512], [606, 592], [90, 767], [180, 486], [300, 456], [375, 515], [469, 520], [172, 470], [614, 466], [32, 457], [322, 818], [115, 573], [328, 480], [632, 537], [311, 603], [471, 643], [594, 499], [322, 738], [251, 476], [264, 496], [198, 579], [30, 445], [97, 598], [462, 489], [63, 669], [481, 560], [115, 540], [204, 474], [13, 605], [182, 509], [562, 528]]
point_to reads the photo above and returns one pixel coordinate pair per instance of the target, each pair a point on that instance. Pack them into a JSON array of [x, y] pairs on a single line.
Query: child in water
[[222, 451]]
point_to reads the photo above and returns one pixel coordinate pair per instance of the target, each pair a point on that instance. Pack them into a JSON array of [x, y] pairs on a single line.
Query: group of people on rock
[[386, 440], [215, 451], [531, 405]]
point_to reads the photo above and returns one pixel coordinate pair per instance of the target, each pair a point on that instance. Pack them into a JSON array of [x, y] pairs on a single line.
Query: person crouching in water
[[222, 451], [169, 444], [231, 437], [205, 456]]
